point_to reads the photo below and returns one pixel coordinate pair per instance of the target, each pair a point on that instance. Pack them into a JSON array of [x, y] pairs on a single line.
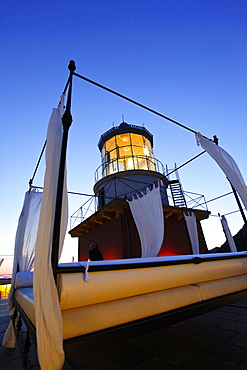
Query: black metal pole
[[238, 202], [66, 121]]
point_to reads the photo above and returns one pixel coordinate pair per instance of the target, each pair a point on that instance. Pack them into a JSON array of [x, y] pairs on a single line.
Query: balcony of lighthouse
[[126, 163]]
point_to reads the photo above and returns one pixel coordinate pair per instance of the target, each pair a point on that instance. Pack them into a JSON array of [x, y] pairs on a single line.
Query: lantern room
[[127, 164], [126, 147]]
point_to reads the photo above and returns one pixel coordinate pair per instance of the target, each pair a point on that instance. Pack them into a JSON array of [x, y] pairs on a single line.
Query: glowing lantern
[[127, 163]]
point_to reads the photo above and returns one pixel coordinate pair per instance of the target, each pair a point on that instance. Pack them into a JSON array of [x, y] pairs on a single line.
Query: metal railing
[[137, 163], [85, 211], [193, 200]]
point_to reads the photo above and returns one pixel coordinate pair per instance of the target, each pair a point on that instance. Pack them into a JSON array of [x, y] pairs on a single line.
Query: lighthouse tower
[[127, 164], [128, 167]]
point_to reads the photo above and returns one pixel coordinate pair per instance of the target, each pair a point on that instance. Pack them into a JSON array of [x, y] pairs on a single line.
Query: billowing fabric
[[147, 212], [227, 164], [24, 249], [190, 219], [228, 234], [47, 310]]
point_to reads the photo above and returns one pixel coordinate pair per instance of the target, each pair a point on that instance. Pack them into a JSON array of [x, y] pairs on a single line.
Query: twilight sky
[[185, 59]]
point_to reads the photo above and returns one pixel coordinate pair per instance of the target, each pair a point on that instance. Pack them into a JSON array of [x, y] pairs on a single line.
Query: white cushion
[[83, 320], [110, 285], [215, 288]]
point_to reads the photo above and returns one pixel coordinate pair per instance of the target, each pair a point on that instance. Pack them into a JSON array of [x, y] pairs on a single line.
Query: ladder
[[177, 194]]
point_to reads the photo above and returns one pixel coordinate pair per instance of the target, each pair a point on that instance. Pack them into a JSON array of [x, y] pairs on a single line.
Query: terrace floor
[[216, 340]]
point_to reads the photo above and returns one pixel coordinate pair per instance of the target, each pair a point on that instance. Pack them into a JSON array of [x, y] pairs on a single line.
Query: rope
[[66, 86], [65, 89], [227, 214], [37, 165], [141, 182], [134, 102], [230, 213], [123, 97], [140, 189], [69, 192], [184, 164], [211, 200], [221, 196]]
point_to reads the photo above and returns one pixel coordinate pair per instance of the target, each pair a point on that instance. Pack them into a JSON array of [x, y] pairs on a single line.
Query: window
[[127, 151]]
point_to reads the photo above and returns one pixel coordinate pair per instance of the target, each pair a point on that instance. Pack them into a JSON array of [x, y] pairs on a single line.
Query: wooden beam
[[98, 219], [119, 210], [90, 223], [167, 215], [85, 228], [107, 215]]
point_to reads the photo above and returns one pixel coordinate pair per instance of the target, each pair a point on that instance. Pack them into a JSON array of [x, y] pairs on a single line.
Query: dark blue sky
[[186, 59]]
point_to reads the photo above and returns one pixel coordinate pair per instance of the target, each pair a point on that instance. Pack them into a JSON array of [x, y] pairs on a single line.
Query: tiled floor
[[217, 340]]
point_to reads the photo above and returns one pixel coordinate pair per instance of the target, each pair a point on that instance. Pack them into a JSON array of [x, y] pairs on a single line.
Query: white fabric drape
[[227, 164], [228, 234], [24, 249], [147, 212], [190, 219], [47, 309]]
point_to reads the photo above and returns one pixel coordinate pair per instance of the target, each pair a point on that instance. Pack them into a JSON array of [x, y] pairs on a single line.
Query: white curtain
[[24, 249], [228, 234], [147, 212], [47, 309], [227, 164], [191, 224]]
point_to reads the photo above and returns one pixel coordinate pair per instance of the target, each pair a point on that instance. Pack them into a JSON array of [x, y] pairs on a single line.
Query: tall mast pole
[[66, 122], [238, 203]]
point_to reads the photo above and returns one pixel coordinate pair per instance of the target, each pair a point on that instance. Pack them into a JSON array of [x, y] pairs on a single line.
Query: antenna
[[122, 118]]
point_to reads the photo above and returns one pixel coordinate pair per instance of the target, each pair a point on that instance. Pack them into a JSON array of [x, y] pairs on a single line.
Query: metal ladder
[[177, 194]]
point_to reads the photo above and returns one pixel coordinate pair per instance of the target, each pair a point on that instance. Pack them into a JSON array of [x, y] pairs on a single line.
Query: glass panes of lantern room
[[127, 151]]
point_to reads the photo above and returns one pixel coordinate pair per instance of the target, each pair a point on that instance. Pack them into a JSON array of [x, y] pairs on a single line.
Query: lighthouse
[[127, 164], [129, 168]]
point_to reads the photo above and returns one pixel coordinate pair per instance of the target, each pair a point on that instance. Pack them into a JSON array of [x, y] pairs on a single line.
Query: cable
[[75, 193], [69, 192], [221, 196], [182, 165], [37, 165], [134, 102], [123, 97], [227, 214], [66, 86]]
